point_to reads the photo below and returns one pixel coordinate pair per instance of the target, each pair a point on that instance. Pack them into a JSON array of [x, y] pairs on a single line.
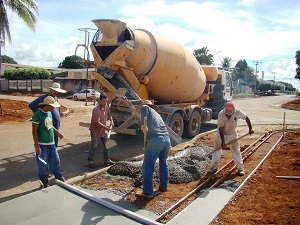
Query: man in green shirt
[[43, 137]]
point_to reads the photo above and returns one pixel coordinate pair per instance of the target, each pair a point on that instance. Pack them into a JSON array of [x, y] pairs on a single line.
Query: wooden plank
[[289, 177]]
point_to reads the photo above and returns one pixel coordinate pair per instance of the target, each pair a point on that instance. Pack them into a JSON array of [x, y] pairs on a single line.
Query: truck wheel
[[192, 127], [75, 98], [176, 124]]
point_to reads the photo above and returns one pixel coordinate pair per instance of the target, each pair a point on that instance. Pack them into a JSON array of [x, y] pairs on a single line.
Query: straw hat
[[147, 102], [49, 100], [56, 87]]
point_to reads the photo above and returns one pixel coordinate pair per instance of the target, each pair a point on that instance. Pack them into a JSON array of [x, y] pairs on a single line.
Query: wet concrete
[[184, 167]]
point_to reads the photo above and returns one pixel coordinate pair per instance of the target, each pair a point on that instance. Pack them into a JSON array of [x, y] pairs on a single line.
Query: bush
[[26, 74]]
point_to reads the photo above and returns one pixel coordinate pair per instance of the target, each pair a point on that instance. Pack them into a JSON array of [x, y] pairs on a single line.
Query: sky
[[263, 31]]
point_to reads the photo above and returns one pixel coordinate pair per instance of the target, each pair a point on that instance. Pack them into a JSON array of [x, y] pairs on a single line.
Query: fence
[[25, 85]]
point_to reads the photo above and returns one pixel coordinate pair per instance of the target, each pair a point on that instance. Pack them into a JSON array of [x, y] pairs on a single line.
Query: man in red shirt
[[99, 130]]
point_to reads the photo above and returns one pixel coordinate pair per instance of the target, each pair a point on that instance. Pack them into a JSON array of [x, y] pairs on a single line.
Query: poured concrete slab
[[203, 209], [55, 205]]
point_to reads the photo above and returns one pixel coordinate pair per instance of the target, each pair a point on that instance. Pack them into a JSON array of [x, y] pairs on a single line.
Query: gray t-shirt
[[155, 124]]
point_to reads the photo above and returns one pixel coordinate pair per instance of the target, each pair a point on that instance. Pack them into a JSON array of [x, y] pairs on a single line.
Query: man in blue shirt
[[158, 145], [54, 91]]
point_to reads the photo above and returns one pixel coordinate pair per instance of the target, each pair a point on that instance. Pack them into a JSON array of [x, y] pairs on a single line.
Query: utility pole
[[274, 82], [256, 63]]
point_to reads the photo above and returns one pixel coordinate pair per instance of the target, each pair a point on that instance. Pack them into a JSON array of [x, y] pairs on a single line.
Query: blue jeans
[[95, 142], [157, 147], [48, 157]]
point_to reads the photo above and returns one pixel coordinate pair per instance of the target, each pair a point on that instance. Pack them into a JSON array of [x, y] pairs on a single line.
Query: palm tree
[[24, 9], [203, 57], [226, 63]]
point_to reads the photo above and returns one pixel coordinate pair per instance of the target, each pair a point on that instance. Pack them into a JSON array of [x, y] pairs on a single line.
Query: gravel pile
[[184, 167]]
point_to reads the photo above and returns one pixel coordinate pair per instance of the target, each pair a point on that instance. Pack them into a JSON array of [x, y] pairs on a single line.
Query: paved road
[[18, 170]]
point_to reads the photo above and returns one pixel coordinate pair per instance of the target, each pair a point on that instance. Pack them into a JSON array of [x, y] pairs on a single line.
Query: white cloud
[[244, 29]]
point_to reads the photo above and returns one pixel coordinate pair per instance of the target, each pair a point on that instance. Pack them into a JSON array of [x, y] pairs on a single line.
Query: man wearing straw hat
[[43, 137], [54, 91]]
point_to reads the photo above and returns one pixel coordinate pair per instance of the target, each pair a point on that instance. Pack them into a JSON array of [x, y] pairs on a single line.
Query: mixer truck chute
[[135, 65]]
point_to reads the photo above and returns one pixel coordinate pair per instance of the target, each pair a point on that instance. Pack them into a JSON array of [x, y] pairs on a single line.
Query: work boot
[[108, 162], [241, 173], [142, 195], [162, 189], [212, 171], [61, 179]]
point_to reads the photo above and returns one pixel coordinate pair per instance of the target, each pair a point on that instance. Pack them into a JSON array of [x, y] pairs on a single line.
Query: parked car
[[89, 93]]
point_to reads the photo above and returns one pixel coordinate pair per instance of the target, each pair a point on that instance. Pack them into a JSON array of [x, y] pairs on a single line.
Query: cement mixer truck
[[135, 65]]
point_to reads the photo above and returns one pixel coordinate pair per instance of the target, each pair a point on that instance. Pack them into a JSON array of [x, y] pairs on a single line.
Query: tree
[[7, 59], [72, 62], [23, 8], [226, 63], [26, 73], [239, 71], [203, 57], [297, 76]]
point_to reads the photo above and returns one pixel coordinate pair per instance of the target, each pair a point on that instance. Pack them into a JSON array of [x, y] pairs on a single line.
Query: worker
[[43, 137], [226, 132], [158, 145], [99, 130], [54, 90]]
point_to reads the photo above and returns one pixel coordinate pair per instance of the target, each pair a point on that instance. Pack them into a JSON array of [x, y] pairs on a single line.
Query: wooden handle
[[109, 132], [145, 134], [226, 144]]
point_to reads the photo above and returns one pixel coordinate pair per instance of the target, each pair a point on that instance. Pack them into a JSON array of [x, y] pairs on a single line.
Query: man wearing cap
[[54, 91], [158, 145], [43, 137], [226, 132]]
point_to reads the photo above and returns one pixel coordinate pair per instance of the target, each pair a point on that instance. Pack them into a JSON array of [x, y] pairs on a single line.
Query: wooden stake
[[283, 130], [145, 134], [289, 177]]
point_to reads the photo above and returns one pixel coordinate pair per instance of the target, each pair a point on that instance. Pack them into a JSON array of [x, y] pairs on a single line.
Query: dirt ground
[[265, 199]]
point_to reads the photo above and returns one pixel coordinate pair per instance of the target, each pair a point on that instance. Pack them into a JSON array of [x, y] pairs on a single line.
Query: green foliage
[[297, 76], [203, 57], [267, 86], [24, 9], [72, 62], [226, 63], [7, 59], [244, 73], [26, 74]]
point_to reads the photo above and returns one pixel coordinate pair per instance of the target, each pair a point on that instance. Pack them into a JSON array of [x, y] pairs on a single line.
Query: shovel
[[109, 132], [145, 134], [215, 150]]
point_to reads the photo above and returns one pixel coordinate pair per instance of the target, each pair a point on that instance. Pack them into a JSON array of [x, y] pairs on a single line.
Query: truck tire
[[75, 98], [176, 124], [192, 127]]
